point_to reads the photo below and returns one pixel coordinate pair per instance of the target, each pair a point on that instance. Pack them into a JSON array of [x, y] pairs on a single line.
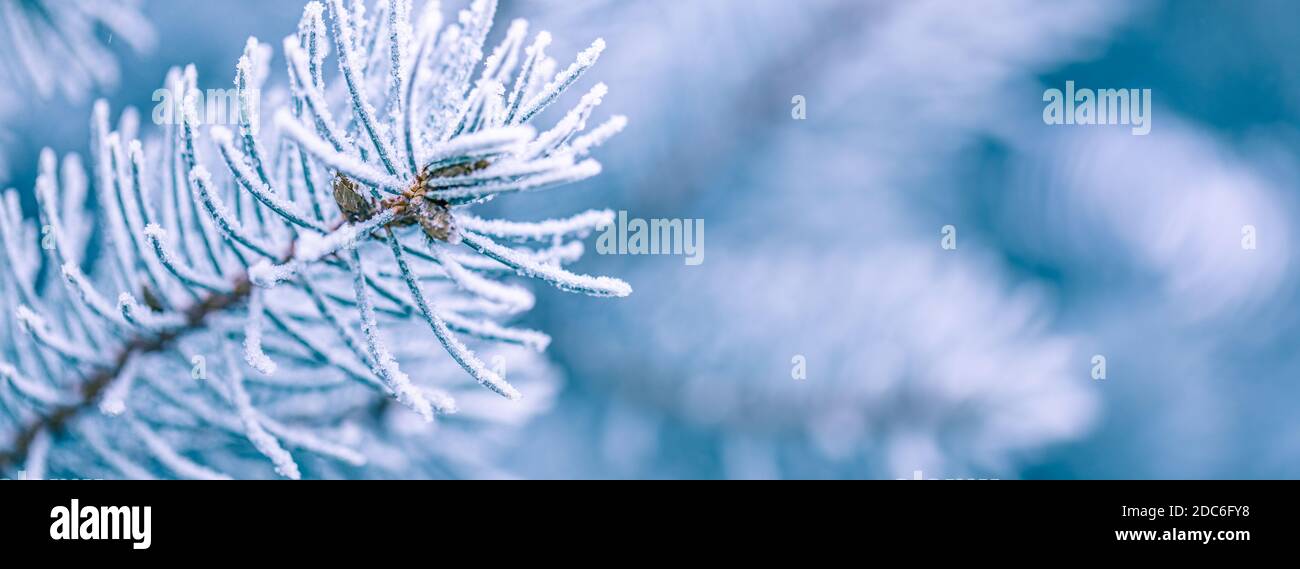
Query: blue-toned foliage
[[215, 302]]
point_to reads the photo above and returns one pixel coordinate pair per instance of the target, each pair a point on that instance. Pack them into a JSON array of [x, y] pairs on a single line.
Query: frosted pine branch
[[265, 291], [56, 46]]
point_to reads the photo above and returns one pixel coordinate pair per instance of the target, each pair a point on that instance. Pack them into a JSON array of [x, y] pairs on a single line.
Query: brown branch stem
[[58, 417]]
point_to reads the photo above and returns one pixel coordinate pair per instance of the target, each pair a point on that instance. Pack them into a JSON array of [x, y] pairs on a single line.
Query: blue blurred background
[[823, 235]]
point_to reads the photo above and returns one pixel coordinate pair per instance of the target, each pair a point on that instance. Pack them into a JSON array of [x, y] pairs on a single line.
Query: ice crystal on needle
[[277, 285]]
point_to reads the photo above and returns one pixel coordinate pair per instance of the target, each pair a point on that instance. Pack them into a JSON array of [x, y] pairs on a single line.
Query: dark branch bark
[[196, 317]]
